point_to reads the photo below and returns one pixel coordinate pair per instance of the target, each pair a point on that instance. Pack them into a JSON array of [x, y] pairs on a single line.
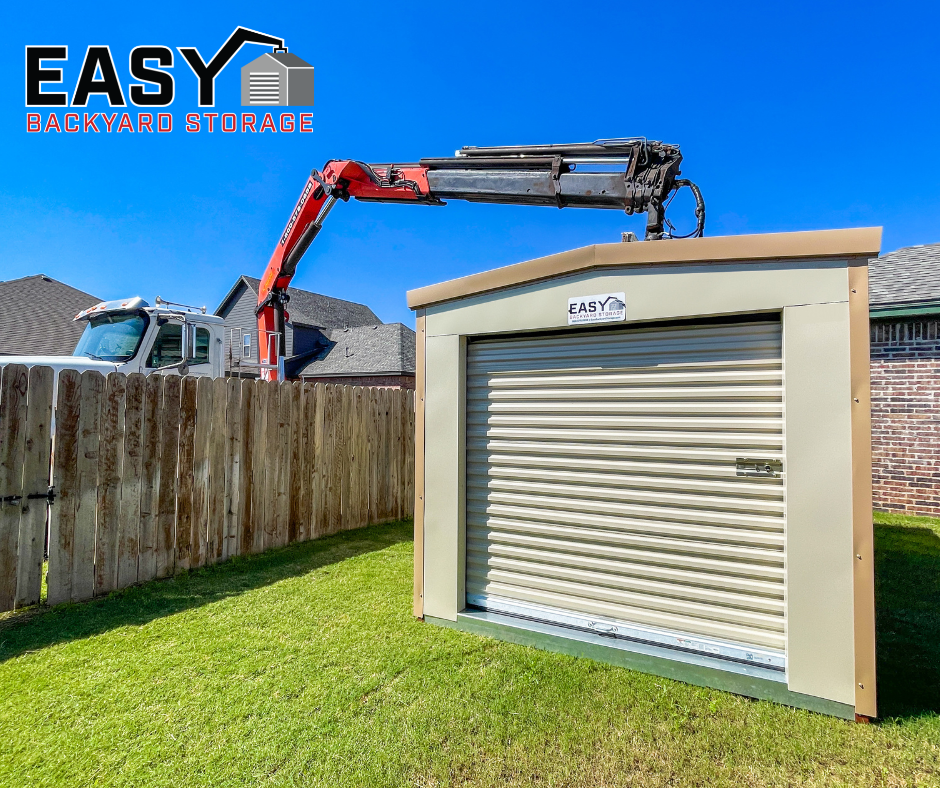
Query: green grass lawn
[[305, 667]]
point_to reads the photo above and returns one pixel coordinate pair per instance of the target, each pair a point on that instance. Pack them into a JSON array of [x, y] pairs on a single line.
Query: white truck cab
[[130, 335]]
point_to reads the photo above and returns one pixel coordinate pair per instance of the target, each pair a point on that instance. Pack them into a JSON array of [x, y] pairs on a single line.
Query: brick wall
[[905, 389]]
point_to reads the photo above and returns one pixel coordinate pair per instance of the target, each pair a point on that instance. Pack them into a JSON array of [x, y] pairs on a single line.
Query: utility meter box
[[658, 455]]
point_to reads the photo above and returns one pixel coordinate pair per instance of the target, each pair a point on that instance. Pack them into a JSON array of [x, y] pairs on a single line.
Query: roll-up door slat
[[602, 479]]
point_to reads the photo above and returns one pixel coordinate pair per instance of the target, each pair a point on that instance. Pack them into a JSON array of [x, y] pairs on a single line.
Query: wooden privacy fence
[[156, 475]]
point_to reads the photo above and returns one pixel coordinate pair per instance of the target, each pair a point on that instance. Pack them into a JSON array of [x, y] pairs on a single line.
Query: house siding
[[240, 313], [905, 387]]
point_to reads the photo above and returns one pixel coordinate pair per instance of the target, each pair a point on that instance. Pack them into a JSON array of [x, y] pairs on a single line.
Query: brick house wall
[[905, 394]]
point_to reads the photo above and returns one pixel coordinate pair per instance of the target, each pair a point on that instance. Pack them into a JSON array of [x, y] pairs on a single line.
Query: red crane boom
[[633, 175]]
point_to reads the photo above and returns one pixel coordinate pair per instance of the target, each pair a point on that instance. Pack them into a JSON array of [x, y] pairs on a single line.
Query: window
[[112, 337], [246, 346], [167, 347], [200, 350]]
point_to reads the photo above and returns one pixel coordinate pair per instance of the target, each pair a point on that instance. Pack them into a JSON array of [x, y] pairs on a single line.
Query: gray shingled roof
[[384, 349], [313, 309], [37, 316], [906, 276]]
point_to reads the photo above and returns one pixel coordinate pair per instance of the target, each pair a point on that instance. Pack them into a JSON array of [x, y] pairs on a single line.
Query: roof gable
[[384, 349], [310, 309]]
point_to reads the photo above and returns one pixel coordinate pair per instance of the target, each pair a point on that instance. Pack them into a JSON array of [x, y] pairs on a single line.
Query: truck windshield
[[113, 337]]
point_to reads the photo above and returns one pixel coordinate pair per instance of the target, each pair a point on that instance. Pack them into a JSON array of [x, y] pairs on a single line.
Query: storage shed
[[658, 455]]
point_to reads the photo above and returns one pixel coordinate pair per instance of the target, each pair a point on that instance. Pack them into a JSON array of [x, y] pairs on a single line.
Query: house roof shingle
[[383, 349], [312, 309], [906, 276], [37, 316]]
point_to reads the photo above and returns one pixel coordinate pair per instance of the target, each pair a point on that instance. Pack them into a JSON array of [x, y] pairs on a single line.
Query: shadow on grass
[[907, 603], [38, 628]]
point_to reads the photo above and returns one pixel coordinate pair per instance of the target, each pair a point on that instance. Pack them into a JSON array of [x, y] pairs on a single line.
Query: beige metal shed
[[657, 454]]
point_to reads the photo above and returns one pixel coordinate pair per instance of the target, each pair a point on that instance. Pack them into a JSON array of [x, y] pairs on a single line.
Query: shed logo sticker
[[604, 308]]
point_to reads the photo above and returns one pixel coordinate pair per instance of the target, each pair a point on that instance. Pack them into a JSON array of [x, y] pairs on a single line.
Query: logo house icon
[[278, 79]]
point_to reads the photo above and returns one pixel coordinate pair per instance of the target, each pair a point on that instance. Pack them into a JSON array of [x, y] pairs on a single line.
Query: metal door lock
[[768, 469]]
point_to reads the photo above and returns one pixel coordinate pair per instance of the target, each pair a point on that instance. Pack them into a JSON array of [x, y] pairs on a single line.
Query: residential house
[[379, 355], [904, 298], [326, 338], [37, 316]]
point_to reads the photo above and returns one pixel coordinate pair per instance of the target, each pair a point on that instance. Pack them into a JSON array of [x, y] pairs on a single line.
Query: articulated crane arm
[[632, 175]]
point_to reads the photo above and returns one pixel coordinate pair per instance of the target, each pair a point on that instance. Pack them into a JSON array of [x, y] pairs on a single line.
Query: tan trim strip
[[864, 241], [862, 530], [420, 391]]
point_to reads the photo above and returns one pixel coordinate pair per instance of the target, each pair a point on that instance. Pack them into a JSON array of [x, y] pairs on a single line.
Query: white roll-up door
[[630, 483]]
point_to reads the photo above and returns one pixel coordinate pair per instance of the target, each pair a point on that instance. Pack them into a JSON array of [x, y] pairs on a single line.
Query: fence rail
[[156, 475]]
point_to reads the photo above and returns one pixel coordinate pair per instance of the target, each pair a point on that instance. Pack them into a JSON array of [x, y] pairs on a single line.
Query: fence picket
[[216, 529], [13, 392], [185, 532], [233, 429], [169, 482], [32, 536], [129, 521], [246, 515], [65, 481], [83, 555], [308, 400], [110, 468], [282, 503], [272, 457], [258, 462], [320, 470], [295, 489], [201, 448], [151, 455]]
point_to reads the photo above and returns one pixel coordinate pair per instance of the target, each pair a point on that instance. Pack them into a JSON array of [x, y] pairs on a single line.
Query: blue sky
[[791, 116]]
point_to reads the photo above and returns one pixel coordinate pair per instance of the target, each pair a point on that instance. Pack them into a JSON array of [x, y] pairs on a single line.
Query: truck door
[[167, 349]]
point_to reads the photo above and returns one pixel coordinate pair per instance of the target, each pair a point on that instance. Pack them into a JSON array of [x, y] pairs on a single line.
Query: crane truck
[[131, 335], [634, 175]]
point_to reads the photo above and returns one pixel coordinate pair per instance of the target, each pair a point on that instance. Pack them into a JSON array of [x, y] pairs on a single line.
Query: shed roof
[[286, 59], [384, 349], [311, 309], [37, 316], [858, 242]]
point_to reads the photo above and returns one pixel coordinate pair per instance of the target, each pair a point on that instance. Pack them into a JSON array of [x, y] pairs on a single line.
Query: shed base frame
[[645, 658]]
